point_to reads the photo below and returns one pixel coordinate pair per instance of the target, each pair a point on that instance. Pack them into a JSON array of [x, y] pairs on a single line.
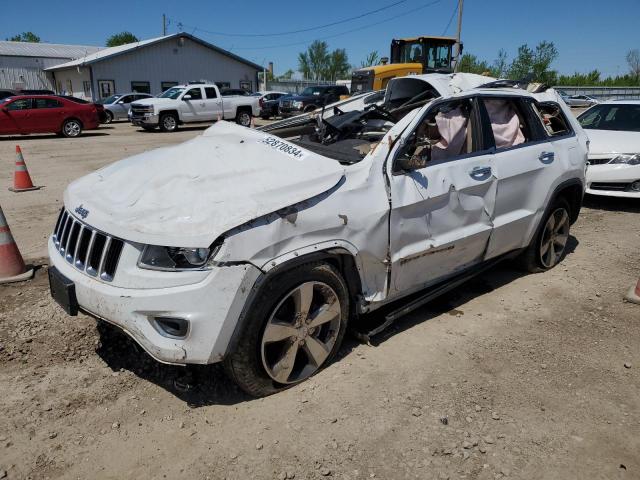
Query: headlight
[[629, 159], [155, 257], [297, 104]]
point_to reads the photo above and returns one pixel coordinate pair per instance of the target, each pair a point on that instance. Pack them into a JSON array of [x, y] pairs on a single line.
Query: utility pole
[[164, 24], [458, 44]]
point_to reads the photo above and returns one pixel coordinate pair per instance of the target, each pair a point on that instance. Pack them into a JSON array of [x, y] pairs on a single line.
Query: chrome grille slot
[[72, 243], [89, 250], [95, 254]]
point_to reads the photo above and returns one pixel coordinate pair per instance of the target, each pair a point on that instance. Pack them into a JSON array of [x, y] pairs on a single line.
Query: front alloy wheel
[[554, 238], [293, 328], [243, 119], [169, 123], [71, 128], [301, 332]]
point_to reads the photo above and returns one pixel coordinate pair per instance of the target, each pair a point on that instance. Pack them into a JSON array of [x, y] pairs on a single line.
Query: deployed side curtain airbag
[[504, 123], [452, 126]]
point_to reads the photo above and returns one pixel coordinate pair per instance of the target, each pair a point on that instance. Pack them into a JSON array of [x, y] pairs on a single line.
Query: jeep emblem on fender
[[83, 212]]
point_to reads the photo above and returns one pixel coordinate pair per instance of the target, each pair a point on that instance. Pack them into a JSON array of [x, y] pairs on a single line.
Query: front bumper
[[145, 119], [613, 180], [289, 111], [212, 308]]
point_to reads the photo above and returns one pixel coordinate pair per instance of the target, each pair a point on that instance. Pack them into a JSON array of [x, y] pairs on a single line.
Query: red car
[[24, 114]]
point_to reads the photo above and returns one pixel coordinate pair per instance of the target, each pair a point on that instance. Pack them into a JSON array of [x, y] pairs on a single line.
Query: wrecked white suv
[[257, 248]]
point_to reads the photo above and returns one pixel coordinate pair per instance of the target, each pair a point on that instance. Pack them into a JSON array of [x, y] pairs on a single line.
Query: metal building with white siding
[[22, 64], [152, 66]]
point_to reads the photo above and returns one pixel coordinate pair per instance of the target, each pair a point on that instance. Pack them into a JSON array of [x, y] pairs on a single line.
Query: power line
[[450, 20], [408, 12], [319, 27]]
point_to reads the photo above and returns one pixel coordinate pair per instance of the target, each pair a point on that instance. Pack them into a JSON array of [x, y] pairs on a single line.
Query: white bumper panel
[[618, 173], [211, 306]]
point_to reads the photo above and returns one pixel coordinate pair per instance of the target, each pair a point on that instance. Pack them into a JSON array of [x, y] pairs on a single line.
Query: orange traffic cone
[[12, 268], [21, 178], [634, 293]]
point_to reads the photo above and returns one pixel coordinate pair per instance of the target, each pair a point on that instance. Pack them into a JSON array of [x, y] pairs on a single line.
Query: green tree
[[535, 65], [338, 66], [633, 59], [121, 38], [372, 59], [500, 65], [25, 37], [287, 75], [471, 64]]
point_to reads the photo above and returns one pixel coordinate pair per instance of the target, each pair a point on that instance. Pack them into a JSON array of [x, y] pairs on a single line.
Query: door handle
[[480, 173], [546, 157]]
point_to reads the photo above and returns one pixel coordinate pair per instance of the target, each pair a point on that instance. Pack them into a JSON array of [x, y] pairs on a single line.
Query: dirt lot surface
[[517, 376]]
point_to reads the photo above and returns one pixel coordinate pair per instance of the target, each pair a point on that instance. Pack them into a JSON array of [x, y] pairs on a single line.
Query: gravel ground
[[517, 376]]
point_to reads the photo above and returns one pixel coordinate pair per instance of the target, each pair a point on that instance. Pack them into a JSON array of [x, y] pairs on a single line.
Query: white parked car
[[579, 100], [257, 248], [613, 129], [192, 103]]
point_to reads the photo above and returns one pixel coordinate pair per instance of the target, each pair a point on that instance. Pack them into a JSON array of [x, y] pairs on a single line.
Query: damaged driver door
[[443, 191]]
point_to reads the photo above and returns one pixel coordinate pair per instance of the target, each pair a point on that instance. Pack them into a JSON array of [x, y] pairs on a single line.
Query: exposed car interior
[[348, 136]]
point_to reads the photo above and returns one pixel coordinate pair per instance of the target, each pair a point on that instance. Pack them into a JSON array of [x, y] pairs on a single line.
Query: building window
[[86, 86], [141, 87], [245, 85], [222, 85], [106, 88], [164, 86]]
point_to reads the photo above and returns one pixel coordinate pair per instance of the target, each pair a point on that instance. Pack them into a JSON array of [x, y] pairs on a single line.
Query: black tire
[[531, 259], [245, 366], [72, 128], [108, 117], [265, 117], [168, 122], [243, 117]]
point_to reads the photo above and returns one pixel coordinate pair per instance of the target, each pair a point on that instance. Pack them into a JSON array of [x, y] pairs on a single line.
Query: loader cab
[[435, 54]]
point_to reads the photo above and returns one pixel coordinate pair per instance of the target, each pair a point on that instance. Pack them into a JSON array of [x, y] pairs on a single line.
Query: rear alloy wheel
[[108, 117], [554, 238], [71, 128], [243, 118], [293, 328], [550, 242], [168, 122]]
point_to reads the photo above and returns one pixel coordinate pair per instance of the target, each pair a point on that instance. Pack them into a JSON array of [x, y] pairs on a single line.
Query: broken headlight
[[155, 257], [628, 159]]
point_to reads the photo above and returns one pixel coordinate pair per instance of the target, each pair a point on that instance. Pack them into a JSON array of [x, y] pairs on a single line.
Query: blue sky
[[588, 33]]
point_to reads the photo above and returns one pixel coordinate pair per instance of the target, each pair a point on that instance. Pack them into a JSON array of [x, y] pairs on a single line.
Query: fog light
[[635, 186], [172, 327]]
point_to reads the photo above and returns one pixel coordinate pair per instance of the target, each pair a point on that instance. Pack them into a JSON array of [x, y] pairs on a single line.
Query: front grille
[[86, 248], [619, 187], [599, 161]]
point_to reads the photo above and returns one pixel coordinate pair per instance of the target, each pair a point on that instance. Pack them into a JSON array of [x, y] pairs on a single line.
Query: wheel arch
[[343, 258], [571, 190]]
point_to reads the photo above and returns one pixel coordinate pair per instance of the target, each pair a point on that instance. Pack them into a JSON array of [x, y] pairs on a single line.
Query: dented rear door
[[441, 218]]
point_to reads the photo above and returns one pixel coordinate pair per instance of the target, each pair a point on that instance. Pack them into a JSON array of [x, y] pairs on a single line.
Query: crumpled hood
[[612, 141], [189, 194]]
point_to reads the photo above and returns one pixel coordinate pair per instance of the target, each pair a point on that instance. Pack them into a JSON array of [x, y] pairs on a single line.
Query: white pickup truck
[[192, 103]]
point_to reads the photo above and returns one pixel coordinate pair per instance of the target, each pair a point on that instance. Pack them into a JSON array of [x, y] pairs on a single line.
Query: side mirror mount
[[186, 97], [408, 164]]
